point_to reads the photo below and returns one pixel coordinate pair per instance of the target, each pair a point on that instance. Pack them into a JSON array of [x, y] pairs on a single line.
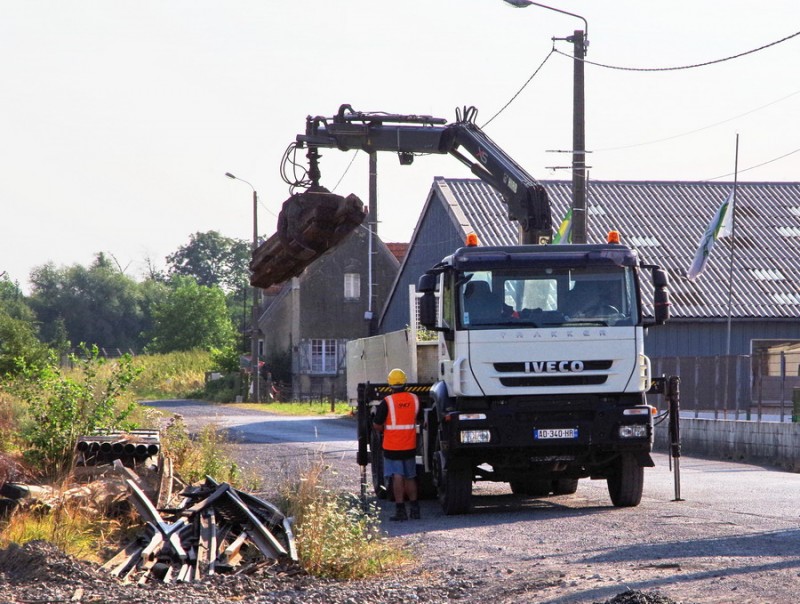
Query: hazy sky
[[118, 119]]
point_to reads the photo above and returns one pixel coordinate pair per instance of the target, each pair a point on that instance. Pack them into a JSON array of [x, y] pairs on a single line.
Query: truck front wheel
[[626, 482], [453, 485]]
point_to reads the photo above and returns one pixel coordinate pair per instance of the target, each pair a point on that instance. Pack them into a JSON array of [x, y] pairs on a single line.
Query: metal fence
[[759, 387]]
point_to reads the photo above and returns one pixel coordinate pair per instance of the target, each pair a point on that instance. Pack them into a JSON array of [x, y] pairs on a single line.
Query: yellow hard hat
[[397, 377]]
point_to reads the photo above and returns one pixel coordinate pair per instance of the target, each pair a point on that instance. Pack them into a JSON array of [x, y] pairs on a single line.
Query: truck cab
[[541, 374]]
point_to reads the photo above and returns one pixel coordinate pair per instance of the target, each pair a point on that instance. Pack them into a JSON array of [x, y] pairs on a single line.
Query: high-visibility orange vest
[[400, 431]]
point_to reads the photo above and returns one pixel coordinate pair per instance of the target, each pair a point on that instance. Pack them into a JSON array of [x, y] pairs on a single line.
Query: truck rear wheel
[[626, 482]]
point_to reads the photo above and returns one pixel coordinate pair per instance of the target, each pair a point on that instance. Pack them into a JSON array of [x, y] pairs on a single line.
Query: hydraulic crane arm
[[407, 135], [314, 221]]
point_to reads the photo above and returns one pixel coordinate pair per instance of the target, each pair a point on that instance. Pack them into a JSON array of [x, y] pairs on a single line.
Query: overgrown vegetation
[[206, 455], [336, 537], [76, 530], [173, 374], [44, 409], [61, 406]]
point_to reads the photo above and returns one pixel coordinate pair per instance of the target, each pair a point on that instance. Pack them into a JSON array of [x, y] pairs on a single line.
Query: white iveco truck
[[540, 374]]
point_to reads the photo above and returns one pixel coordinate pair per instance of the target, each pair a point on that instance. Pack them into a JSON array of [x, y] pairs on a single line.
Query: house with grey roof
[[753, 277], [307, 321]]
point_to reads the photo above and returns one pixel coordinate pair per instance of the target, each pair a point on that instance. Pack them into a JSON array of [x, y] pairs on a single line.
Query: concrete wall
[[772, 443]]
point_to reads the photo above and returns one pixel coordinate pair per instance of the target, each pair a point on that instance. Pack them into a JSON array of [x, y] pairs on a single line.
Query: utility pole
[[579, 40], [373, 228], [579, 222], [254, 330]]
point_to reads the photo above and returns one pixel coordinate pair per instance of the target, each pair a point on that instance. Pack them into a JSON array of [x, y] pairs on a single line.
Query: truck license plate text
[[555, 433]]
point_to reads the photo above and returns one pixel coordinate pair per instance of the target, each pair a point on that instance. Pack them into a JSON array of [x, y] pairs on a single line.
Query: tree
[[19, 342], [13, 302], [213, 259], [191, 316], [97, 305], [19, 345]]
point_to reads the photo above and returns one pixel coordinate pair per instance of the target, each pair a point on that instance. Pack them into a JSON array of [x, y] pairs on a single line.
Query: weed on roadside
[[336, 537]]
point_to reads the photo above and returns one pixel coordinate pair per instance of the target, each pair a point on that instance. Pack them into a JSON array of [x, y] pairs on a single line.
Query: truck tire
[[426, 488], [455, 491], [381, 489], [532, 487], [626, 482]]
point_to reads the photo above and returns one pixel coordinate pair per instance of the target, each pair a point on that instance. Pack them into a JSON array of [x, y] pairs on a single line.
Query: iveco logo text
[[555, 366]]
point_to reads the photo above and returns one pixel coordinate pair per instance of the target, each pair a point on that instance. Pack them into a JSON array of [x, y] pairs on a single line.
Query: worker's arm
[[379, 419]]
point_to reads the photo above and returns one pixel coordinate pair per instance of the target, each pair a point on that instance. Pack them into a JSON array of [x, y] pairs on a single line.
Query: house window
[[352, 286], [323, 356]]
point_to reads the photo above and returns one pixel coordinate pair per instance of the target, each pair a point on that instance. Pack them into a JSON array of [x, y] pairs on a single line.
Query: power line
[[346, 170], [674, 136], [513, 98], [769, 161], [678, 68]]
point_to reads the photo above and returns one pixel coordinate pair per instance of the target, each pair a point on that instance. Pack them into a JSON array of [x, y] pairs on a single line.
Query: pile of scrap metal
[[309, 224], [215, 529]]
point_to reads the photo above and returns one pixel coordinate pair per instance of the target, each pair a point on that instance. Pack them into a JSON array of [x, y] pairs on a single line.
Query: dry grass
[[336, 537]]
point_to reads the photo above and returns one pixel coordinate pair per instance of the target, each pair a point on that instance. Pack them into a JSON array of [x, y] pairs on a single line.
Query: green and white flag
[[564, 232], [720, 226]]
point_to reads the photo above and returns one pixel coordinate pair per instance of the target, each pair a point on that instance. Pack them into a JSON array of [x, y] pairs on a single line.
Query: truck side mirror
[[661, 301], [427, 304], [661, 305], [660, 278], [427, 310], [427, 283]]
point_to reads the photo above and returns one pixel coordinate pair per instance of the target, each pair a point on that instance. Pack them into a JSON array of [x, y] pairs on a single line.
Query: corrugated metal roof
[[665, 222]]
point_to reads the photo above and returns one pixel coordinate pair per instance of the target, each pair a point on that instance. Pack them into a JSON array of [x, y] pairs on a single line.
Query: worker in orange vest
[[396, 417]]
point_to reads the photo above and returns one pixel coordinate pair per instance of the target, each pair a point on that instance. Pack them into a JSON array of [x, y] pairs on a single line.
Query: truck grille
[[564, 379]]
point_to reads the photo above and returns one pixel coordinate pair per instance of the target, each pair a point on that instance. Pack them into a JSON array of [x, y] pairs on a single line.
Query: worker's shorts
[[407, 468]]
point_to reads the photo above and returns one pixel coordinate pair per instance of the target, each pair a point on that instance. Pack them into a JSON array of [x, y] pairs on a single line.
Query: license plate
[[546, 433]]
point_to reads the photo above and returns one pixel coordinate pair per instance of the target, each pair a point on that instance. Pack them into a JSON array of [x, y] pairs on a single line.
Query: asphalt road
[[735, 536]]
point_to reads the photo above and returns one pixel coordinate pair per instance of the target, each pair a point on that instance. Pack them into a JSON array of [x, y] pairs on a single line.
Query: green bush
[[62, 407], [224, 389]]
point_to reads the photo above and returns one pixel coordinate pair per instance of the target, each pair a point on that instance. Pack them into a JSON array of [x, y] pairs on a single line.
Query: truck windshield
[[547, 297]]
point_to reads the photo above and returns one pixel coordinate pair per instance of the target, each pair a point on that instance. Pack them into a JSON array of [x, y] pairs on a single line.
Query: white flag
[[720, 226]]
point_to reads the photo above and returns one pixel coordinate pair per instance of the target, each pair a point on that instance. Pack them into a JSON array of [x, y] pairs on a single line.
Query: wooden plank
[[124, 554], [231, 553]]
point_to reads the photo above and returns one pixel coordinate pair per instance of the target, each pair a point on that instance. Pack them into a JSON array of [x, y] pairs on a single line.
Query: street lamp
[[254, 326], [580, 42]]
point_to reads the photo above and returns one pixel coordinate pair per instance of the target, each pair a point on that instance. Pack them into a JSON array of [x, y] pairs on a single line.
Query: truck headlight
[[475, 436], [633, 431]]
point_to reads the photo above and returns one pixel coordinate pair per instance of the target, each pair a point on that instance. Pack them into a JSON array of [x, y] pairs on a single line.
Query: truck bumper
[[584, 435]]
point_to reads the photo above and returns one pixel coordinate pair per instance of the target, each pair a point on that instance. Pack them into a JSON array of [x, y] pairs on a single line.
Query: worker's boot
[[399, 513], [414, 511]]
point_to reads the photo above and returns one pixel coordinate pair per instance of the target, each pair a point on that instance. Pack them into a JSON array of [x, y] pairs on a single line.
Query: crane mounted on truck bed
[[540, 374], [315, 220]]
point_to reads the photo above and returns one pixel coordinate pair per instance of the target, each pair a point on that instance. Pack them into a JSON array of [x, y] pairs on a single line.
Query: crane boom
[[525, 198], [316, 220]]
